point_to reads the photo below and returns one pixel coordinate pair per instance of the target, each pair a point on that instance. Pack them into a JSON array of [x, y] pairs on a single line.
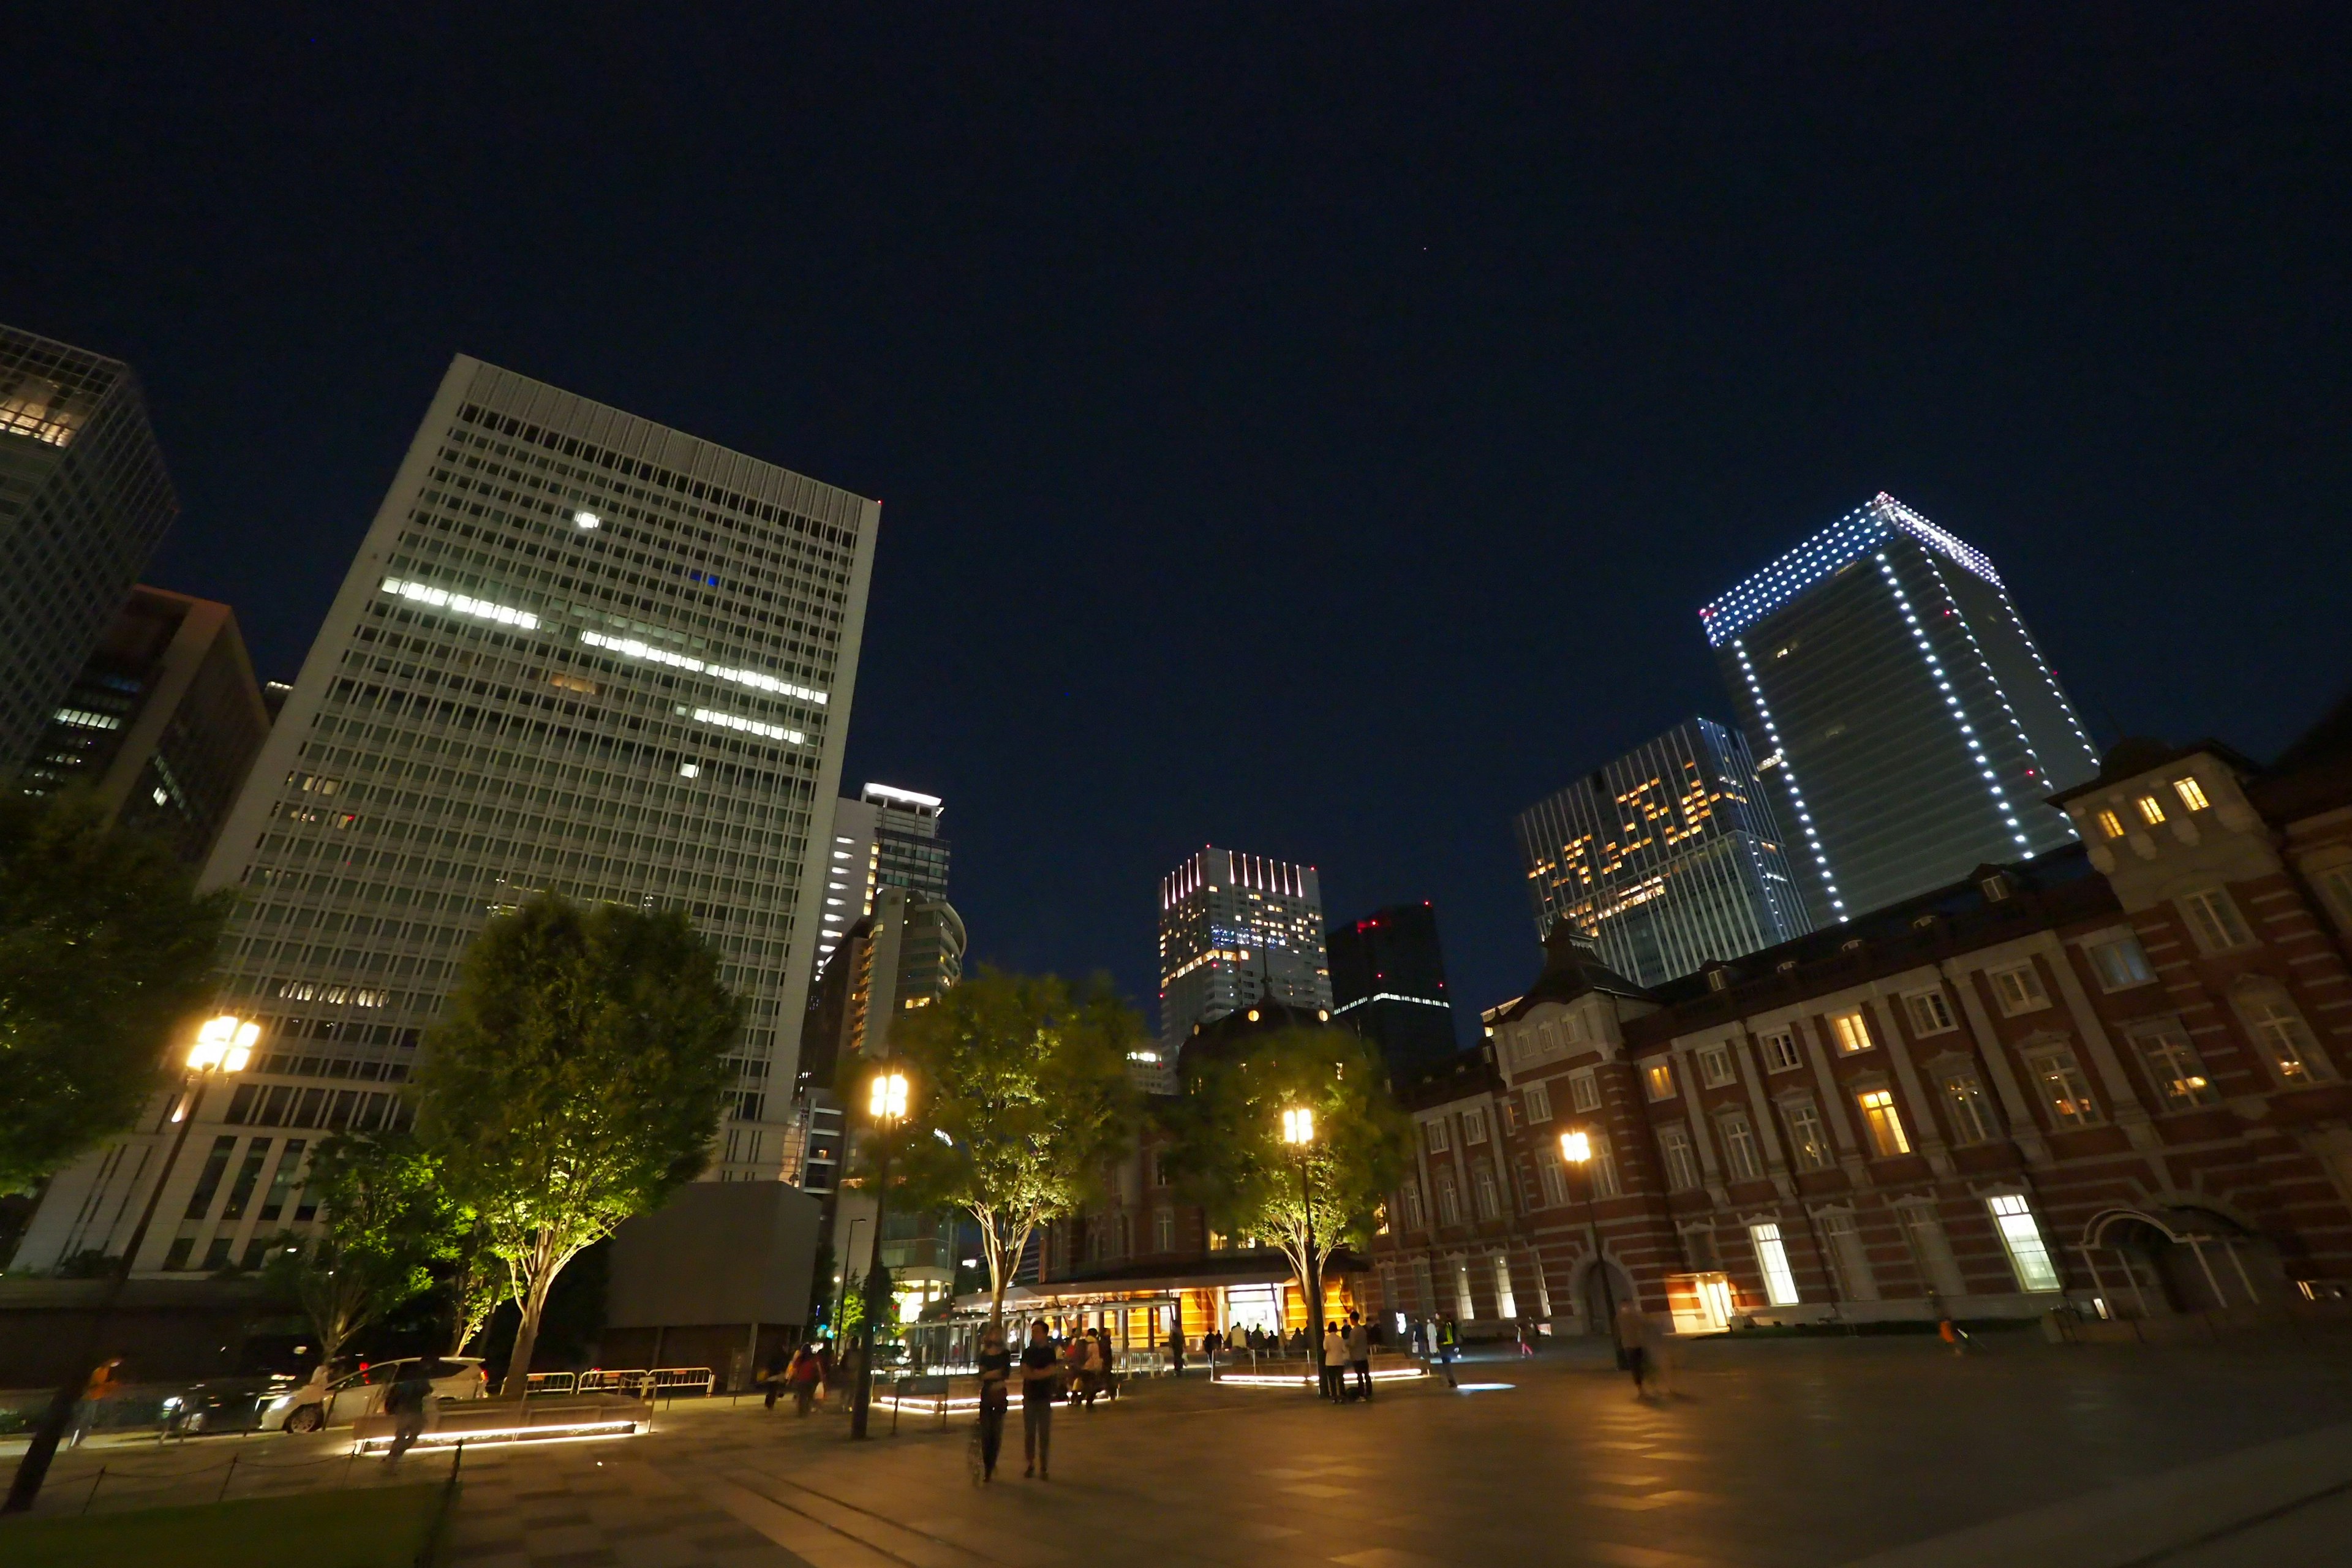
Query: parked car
[[223, 1404], [346, 1399]]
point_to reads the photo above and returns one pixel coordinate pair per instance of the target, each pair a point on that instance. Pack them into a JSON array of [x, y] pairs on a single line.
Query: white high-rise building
[[887, 837], [1233, 928], [579, 653]]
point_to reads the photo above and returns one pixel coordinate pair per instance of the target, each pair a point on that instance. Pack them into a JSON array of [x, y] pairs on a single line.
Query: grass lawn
[[376, 1528]]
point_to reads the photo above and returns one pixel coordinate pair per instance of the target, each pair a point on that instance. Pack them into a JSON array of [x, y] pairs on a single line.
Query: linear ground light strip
[[1302, 1380], [497, 1437]]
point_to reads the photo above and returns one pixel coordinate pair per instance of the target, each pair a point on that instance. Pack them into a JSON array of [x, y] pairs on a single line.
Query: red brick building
[[2116, 1075]]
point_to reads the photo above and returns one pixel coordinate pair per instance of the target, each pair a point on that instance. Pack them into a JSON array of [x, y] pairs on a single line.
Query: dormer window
[[2192, 793], [2151, 810], [1995, 887], [2111, 824], [1718, 980]]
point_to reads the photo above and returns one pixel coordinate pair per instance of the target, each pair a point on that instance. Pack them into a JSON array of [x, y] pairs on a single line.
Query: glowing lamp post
[[1576, 1149], [887, 1106], [222, 1044], [1299, 1132]]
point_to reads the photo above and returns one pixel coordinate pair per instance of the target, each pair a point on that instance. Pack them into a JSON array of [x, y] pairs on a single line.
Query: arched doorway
[[1599, 1303], [2162, 1259]]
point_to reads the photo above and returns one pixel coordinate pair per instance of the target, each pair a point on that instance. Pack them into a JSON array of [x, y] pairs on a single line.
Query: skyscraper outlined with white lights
[[1234, 928], [1903, 721]]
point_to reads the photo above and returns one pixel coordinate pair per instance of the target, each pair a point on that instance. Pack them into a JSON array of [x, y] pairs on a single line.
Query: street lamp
[[1575, 1149], [222, 1044], [887, 1105], [1299, 1132]]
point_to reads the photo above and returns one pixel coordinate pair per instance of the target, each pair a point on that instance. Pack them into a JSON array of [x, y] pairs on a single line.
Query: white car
[[313, 1406]]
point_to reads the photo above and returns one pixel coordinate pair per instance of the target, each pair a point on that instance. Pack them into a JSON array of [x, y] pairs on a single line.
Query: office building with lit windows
[[1388, 985], [887, 837], [1904, 725], [1665, 858], [576, 653], [1234, 929], [162, 724], [84, 501]]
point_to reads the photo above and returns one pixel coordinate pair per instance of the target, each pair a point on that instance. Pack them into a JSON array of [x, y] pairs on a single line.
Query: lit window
[[2111, 824], [2178, 1071], [1658, 1078], [1850, 1030], [2020, 1237], [587, 519], [1885, 1122], [2192, 793], [1781, 1053], [2064, 1089], [1807, 1138], [2213, 919], [2151, 810], [1971, 1112], [2119, 963], [1747, 1162], [2285, 1038], [2020, 989], [1584, 1091], [1772, 1262], [1931, 1014]]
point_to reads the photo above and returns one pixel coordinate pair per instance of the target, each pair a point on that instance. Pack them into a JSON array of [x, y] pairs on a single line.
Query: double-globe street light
[[887, 1106], [222, 1044], [1575, 1149], [1299, 1132]]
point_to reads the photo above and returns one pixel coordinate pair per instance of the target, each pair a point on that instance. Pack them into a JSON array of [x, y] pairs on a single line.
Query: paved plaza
[[1886, 1451]]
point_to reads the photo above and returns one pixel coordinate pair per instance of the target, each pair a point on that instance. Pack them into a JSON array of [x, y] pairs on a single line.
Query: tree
[[1229, 1156], [1022, 1090], [478, 1279], [104, 950], [578, 1082], [386, 1218]]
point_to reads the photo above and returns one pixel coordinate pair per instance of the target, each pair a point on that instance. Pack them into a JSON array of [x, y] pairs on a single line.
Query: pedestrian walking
[[1040, 1376], [95, 1393], [1335, 1361], [995, 1394], [1633, 1338], [1359, 1354], [1448, 1343], [1110, 1362], [774, 1376], [806, 1369], [409, 1402]]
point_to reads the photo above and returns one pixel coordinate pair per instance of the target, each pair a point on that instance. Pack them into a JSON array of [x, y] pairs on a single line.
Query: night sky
[[1310, 429]]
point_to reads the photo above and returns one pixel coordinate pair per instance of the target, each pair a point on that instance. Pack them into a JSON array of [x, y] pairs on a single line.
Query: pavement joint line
[[736, 1477], [2237, 1527]]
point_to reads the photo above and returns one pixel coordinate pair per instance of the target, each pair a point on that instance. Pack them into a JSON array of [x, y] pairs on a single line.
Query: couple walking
[[1040, 1375]]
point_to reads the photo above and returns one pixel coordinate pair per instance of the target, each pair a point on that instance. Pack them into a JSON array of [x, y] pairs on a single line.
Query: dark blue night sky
[[1308, 429]]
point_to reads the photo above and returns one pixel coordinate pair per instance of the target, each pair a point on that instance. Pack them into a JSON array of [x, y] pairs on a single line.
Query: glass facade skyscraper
[[1666, 859], [1388, 985], [84, 501], [1905, 723], [576, 653], [1233, 928]]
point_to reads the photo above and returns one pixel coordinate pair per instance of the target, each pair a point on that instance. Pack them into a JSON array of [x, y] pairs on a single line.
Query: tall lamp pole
[[224, 1045], [1299, 1132], [1575, 1149], [888, 1107]]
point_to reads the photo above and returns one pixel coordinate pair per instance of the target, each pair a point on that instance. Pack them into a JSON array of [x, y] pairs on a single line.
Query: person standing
[[773, 1374], [1110, 1362], [1335, 1359], [1633, 1338], [995, 1394], [1448, 1343], [1359, 1354], [1041, 1371]]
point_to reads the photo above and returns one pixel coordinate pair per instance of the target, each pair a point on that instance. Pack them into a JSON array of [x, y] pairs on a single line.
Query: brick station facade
[[2114, 1076]]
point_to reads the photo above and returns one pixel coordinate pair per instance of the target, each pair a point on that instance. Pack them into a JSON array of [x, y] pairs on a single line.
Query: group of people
[[804, 1374], [1078, 1371], [1347, 1350]]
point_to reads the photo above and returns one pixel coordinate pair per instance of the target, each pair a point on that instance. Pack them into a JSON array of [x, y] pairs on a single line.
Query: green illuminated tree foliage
[[385, 1219], [1027, 1082], [104, 948], [1229, 1155], [577, 1082]]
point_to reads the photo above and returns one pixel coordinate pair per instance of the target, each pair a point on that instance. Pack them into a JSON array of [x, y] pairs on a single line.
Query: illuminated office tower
[[1666, 858], [1904, 725], [887, 837], [576, 653], [1233, 928], [84, 501]]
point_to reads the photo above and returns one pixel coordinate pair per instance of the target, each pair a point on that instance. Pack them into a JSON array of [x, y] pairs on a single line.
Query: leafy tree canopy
[[1027, 1081], [1230, 1157], [104, 949], [385, 1219], [578, 1081]]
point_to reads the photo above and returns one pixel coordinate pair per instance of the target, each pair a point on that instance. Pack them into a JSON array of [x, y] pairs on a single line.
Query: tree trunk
[[534, 1302]]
